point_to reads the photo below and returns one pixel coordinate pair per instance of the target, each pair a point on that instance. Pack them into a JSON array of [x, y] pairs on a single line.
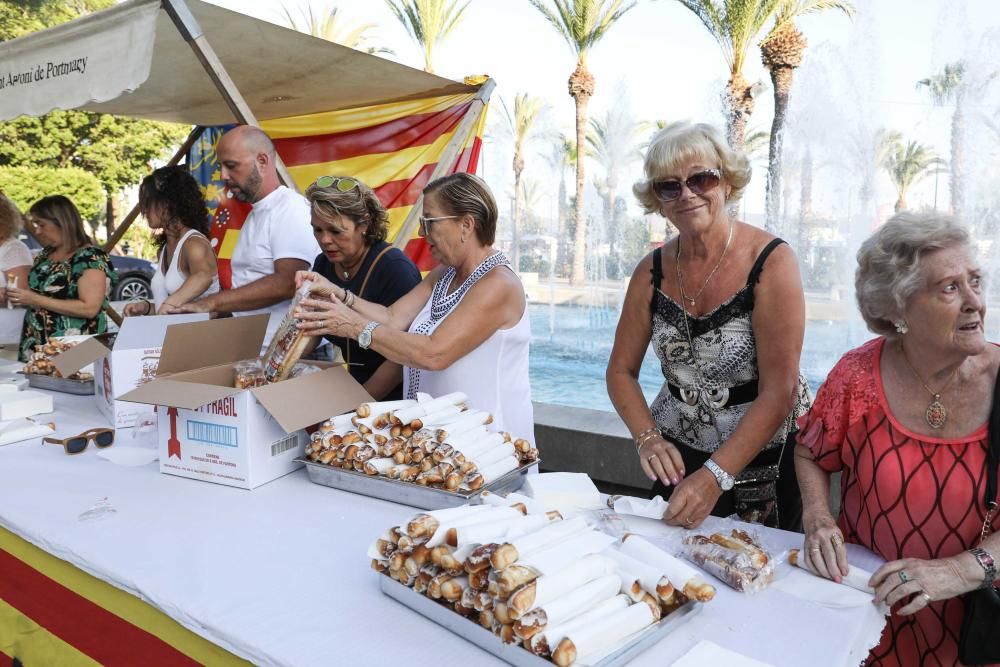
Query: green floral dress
[[60, 280]]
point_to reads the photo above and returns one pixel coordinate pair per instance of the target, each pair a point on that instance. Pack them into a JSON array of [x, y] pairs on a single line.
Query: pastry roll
[[599, 637], [677, 571], [650, 578], [469, 420], [856, 577], [542, 642], [406, 415], [375, 408], [545, 589], [498, 531], [552, 533], [566, 607]]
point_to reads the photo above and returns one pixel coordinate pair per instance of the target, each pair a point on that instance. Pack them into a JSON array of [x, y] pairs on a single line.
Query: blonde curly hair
[[11, 219], [682, 141]]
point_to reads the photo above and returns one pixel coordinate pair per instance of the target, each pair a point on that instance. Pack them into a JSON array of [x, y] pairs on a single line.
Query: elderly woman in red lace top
[[904, 418]]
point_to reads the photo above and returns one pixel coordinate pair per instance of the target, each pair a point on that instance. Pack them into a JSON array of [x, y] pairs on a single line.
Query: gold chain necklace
[[936, 415], [691, 301]]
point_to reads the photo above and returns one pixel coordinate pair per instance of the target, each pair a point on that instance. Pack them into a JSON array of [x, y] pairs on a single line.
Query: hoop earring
[[901, 327]]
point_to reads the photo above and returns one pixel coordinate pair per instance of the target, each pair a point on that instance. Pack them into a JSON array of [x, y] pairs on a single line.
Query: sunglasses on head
[[340, 184], [102, 437], [670, 189]]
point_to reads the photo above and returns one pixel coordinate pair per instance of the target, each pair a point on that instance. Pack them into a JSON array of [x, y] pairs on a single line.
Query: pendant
[[936, 414], [690, 301], [347, 275]]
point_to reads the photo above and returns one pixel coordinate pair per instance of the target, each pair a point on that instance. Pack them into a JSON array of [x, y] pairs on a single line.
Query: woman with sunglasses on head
[[350, 224], [171, 201], [68, 283], [723, 305], [464, 328]]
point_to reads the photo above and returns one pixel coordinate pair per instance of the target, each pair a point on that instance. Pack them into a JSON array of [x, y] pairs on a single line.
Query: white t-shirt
[[278, 227], [13, 253]]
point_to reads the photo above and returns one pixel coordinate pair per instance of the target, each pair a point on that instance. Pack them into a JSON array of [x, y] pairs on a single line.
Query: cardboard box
[[122, 362], [211, 431]]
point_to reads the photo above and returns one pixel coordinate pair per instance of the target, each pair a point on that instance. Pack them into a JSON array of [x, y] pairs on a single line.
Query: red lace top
[[903, 495]]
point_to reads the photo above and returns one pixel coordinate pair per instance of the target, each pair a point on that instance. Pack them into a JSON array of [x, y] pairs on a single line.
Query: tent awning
[[131, 60]]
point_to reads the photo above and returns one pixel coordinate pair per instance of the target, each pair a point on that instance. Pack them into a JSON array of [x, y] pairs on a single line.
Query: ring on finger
[[650, 458], [903, 576], [837, 540], [688, 521], [815, 549], [926, 596]]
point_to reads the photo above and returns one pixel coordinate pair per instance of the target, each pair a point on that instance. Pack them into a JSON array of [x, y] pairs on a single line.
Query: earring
[[901, 327], [463, 238]]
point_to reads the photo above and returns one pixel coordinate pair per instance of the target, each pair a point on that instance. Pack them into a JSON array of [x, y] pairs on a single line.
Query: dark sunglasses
[[341, 184], [102, 437], [699, 184]]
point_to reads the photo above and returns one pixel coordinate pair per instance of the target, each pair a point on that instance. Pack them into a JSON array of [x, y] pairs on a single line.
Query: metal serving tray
[[408, 493], [516, 654], [65, 385]]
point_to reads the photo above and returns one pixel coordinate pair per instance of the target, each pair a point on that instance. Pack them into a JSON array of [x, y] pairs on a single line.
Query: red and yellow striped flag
[[393, 148]]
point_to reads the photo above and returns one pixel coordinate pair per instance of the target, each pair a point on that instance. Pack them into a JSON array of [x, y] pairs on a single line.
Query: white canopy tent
[[187, 61]]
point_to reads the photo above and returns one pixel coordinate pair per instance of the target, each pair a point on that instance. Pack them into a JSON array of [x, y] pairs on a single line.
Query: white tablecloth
[[279, 575]]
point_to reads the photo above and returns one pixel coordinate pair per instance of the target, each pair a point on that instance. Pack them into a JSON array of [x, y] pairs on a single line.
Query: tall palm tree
[[429, 22], [582, 23], [905, 162], [946, 87], [735, 24], [520, 123], [330, 25], [781, 52]]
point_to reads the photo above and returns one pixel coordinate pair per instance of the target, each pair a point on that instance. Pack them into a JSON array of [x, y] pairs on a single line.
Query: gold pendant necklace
[[936, 415], [691, 301]]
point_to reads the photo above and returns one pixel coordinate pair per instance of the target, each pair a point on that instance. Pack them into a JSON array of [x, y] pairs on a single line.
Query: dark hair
[[359, 204], [62, 212], [177, 195], [467, 194]]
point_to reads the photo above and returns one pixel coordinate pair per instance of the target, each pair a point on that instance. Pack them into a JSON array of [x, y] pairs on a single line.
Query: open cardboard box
[[211, 431], [122, 362]]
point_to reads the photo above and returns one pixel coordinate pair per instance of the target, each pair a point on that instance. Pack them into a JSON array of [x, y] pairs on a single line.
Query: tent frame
[[187, 26]]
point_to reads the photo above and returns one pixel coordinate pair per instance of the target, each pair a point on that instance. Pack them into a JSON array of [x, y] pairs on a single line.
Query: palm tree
[[614, 143], [429, 22], [520, 124], [944, 88], [331, 26], [781, 52], [735, 24], [582, 23], [905, 162]]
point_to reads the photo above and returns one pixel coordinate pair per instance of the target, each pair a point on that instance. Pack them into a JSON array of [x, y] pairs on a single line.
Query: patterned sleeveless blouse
[[705, 395]]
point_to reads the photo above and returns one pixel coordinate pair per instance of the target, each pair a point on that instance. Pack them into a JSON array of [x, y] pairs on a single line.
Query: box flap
[[221, 341], [178, 394], [80, 355], [310, 399], [147, 332]]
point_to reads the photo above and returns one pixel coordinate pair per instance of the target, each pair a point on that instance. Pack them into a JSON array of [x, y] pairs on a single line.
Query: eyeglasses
[[341, 184], [102, 437], [700, 183], [425, 223]]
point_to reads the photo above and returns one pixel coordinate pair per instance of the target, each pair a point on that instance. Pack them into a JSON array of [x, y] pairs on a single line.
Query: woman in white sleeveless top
[[171, 201], [464, 328]]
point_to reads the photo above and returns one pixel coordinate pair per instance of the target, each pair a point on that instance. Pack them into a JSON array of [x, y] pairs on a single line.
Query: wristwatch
[[724, 479], [365, 337], [985, 560]]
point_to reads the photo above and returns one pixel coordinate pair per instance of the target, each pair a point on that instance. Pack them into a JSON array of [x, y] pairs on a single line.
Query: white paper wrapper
[[443, 416], [550, 587], [550, 534], [498, 469], [649, 576], [486, 515], [581, 599], [650, 509], [501, 530], [493, 454], [558, 555], [468, 421], [856, 578], [407, 415], [606, 635], [678, 572], [380, 466], [377, 408], [474, 440], [554, 634]]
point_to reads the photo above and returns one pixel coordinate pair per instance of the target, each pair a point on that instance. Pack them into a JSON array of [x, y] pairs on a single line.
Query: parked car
[[134, 273]]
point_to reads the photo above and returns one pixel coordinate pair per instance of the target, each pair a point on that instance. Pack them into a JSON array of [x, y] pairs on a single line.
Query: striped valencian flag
[[393, 148]]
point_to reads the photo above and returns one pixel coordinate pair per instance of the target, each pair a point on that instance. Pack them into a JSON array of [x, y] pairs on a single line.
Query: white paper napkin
[[707, 653], [17, 430], [651, 509], [129, 456]]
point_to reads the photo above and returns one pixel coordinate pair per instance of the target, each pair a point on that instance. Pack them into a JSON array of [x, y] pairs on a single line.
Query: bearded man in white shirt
[[276, 240]]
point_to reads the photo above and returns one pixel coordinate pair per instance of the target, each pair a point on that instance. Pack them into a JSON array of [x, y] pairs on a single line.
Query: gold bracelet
[[641, 439]]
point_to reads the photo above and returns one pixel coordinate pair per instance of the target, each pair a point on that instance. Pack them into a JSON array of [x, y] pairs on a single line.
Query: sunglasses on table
[[340, 184], [102, 437], [670, 189]]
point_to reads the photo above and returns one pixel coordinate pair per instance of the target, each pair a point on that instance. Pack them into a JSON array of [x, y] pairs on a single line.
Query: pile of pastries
[[555, 586], [40, 362], [438, 442]]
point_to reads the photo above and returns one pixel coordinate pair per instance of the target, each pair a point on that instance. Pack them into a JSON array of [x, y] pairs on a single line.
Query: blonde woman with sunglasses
[[464, 327], [723, 306]]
